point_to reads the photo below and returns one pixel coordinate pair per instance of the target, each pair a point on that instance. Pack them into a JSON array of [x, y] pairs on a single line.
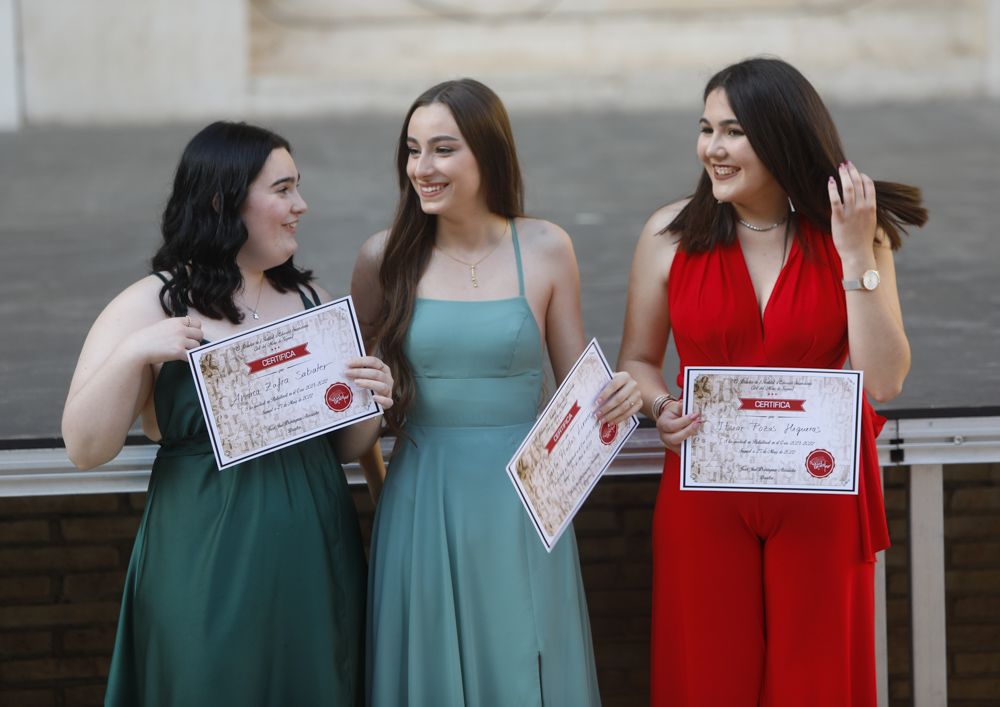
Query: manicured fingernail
[[831, 180]]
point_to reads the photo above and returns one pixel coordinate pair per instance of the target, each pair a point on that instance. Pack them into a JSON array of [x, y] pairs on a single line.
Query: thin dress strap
[[163, 278], [305, 298], [517, 257]]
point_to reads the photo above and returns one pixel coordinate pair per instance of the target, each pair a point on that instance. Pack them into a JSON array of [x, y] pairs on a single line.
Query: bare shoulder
[[372, 249], [544, 239], [141, 299], [132, 309], [368, 263], [365, 286], [663, 217]]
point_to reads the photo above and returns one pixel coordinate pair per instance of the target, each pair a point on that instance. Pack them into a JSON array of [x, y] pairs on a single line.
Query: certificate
[[773, 429], [562, 458], [281, 383]]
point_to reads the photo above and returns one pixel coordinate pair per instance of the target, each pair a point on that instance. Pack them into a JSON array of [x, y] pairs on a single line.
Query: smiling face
[[738, 176], [271, 213], [441, 166]]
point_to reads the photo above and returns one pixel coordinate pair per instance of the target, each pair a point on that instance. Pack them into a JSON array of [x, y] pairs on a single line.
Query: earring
[[791, 205]]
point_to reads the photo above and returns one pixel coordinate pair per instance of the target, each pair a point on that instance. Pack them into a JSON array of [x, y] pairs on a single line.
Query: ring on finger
[[188, 320]]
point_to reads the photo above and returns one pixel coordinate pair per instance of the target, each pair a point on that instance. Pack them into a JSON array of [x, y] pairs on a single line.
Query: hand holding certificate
[[771, 429], [282, 383], [567, 449]]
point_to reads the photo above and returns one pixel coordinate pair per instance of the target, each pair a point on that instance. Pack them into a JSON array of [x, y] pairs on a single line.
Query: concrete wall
[[149, 60], [106, 61]]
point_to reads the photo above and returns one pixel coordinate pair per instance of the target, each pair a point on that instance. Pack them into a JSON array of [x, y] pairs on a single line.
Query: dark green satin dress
[[245, 586]]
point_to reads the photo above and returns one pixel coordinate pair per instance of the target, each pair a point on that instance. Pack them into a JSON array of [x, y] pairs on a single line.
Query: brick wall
[[62, 562]]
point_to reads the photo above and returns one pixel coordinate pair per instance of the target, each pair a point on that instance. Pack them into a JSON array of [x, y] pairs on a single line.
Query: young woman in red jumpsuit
[[782, 258]]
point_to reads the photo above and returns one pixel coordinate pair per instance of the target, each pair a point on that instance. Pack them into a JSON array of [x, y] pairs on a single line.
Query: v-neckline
[[762, 311]]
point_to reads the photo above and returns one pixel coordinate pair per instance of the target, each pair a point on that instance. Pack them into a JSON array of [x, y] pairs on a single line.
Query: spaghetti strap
[[517, 257], [306, 302], [166, 308]]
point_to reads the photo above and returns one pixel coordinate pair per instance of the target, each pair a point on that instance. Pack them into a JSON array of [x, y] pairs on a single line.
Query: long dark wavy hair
[[483, 122], [793, 135], [202, 227]]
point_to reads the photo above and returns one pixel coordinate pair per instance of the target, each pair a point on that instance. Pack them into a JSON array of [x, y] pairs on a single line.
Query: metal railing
[[925, 445]]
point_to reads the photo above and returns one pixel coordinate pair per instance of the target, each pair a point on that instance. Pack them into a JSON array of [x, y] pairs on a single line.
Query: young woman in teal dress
[[465, 295], [246, 586]]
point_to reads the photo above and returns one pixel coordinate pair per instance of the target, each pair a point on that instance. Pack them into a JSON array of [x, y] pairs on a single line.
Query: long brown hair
[[793, 135], [483, 122]]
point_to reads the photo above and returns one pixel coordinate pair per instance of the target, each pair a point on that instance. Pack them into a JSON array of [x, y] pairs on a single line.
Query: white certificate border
[[631, 423], [691, 371], [195, 354]]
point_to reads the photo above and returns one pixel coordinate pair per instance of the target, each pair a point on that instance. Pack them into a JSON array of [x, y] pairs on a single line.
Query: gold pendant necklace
[[472, 266]]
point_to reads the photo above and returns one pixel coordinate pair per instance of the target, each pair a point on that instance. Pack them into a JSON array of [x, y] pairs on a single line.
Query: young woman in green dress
[[465, 295], [246, 586]]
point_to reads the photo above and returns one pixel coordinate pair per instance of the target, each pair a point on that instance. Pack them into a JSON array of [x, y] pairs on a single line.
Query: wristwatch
[[868, 281]]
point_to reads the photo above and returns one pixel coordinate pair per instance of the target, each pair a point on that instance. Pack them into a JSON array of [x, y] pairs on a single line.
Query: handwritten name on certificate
[[773, 429], [281, 383], [567, 450]]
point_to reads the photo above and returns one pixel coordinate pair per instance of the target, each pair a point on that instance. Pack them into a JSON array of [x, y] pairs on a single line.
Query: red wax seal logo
[[820, 463], [339, 397], [609, 433]]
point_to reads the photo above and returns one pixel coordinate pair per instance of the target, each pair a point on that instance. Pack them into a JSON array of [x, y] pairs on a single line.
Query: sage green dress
[[466, 608], [246, 586]]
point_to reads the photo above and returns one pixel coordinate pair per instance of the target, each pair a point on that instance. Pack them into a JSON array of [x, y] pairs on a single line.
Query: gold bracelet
[[659, 403]]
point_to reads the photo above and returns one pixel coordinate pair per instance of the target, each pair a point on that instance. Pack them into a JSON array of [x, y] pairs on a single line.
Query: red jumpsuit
[[764, 599]]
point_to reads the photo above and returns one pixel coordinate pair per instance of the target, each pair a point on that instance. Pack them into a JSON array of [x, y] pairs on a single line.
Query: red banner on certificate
[[771, 404], [274, 359], [551, 444]]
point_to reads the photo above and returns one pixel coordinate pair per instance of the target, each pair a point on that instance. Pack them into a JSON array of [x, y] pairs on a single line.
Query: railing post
[[930, 658]]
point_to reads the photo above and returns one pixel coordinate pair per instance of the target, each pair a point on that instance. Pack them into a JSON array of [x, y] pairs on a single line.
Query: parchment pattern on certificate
[[774, 430], [282, 383], [567, 450]]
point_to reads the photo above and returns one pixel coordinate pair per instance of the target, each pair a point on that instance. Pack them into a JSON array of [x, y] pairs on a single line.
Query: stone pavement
[[79, 210]]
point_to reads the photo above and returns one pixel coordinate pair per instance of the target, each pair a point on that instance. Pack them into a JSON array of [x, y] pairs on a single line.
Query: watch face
[[870, 279]]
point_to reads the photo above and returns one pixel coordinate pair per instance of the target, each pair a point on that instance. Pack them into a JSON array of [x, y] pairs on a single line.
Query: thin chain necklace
[[761, 229], [260, 291], [472, 266]]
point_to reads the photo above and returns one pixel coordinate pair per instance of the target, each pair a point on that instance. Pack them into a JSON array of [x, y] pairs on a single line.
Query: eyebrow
[[728, 121], [286, 179], [435, 139]]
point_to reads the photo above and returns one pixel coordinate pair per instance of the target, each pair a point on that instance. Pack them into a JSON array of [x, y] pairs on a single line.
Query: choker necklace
[[260, 291], [761, 229], [472, 266]]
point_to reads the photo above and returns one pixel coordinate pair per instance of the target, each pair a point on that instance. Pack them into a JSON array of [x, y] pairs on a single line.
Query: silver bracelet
[[659, 402]]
